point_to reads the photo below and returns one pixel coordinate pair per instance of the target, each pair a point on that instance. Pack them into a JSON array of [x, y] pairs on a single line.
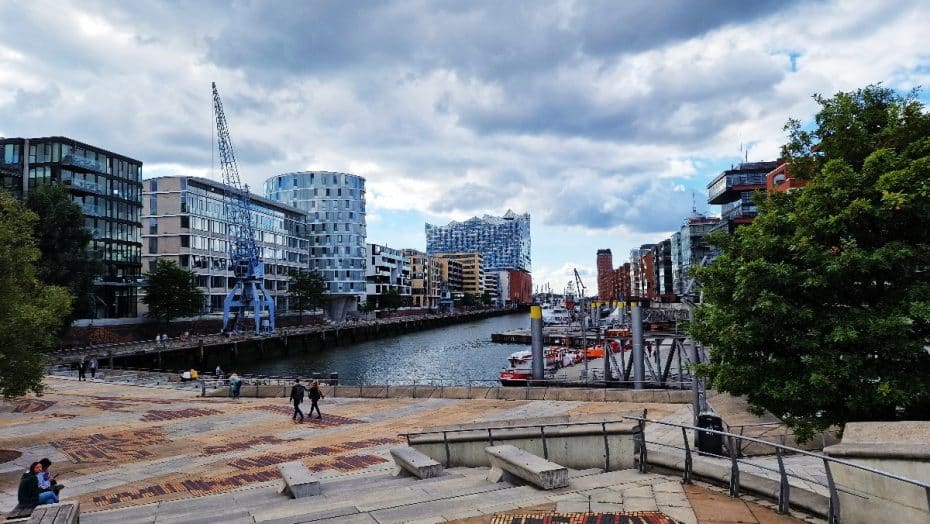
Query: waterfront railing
[[816, 477]]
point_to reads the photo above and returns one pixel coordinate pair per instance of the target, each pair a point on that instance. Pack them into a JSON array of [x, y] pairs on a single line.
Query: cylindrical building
[[335, 203]]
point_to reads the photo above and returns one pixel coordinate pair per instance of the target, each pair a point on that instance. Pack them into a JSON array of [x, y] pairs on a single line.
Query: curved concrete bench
[[536, 470], [416, 463]]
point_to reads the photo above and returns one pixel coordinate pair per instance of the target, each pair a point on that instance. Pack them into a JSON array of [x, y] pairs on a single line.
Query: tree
[[307, 290], [62, 240], [172, 292], [391, 300], [30, 310], [819, 311]]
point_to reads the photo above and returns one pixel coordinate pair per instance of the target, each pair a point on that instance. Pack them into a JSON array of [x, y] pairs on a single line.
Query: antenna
[[693, 204]]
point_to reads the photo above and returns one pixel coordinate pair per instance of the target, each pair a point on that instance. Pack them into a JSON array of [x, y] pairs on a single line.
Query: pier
[[198, 349]]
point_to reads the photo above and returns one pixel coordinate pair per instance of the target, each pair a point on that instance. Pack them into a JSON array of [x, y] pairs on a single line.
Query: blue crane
[[248, 293]]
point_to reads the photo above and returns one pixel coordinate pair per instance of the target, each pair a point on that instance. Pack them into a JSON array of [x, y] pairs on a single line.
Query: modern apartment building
[[624, 285], [387, 270], [781, 180], [733, 190], [504, 242], [185, 221], [472, 271], [606, 281], [425, 279], [642, 285], [663, 274], [492, 282], [515, 287], [690, 248], [108, 188], [451, 274], [335, 205]]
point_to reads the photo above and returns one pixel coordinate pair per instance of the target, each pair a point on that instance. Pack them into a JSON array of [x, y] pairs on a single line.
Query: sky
[[604, 120]]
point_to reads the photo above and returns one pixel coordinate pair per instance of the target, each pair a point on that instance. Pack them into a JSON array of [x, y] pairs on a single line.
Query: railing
[[733, 444]]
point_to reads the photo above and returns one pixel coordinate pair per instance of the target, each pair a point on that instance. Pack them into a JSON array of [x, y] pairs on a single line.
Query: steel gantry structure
[[248, 292]]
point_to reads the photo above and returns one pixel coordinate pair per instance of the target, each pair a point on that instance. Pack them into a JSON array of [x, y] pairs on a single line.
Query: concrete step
[[454, 506]]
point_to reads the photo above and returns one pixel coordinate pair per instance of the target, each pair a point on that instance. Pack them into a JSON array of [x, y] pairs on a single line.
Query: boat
[[520, 364], [556, 314], [598, 350]]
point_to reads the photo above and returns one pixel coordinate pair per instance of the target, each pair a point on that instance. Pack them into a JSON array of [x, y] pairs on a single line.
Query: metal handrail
[[833, 512]]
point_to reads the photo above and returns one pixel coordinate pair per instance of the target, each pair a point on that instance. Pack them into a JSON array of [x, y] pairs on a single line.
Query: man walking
[[93, 368], [82, 370], [297, 396], [235, 383]]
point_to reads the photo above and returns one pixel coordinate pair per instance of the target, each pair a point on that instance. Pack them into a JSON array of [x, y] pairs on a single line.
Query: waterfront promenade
[[147, 454]]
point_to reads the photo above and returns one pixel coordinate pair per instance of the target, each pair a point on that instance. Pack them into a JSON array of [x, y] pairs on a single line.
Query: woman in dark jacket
[[315, 396], [29, 494]]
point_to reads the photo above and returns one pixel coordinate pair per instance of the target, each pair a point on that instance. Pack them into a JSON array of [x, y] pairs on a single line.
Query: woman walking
[[315, 396]]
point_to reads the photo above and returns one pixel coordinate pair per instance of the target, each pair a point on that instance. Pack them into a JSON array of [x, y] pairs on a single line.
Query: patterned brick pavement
[[118, 445]]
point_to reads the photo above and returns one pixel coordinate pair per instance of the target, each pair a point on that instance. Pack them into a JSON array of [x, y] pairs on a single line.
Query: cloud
[[598, 118]]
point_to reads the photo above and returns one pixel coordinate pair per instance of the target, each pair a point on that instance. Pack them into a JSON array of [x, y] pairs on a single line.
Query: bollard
[[536, 329], [639, 364]]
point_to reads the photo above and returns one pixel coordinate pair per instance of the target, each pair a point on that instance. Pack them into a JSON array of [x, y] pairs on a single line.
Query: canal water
[[455, 354]]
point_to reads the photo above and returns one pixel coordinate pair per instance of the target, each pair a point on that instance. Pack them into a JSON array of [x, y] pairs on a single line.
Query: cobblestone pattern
[[121, 446], [156, 415], [279, 458], [31, 405], [642, 517]]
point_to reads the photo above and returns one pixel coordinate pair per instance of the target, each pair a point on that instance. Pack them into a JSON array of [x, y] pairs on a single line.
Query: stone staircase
[[374, 497]]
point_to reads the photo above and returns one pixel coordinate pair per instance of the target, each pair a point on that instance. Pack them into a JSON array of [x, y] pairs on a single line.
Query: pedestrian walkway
[[805, 472], [137, 454]]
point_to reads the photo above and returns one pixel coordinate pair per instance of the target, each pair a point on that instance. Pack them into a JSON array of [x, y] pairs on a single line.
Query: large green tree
[[819, 311], [171, 292], [62, 240], [30, 310], [307, 290]]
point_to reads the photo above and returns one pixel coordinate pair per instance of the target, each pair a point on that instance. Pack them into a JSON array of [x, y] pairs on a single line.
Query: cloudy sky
[[604, 120]]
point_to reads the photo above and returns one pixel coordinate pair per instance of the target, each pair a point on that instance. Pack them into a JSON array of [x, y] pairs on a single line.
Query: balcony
[[83, 163], [740, 213], [728, 186]]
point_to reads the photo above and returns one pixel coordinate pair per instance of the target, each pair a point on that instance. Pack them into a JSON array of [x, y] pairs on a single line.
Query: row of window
[[102, 228], [98, 206], [78, 156]]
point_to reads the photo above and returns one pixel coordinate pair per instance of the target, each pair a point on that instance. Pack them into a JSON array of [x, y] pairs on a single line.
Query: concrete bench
[[536, 470], [416, 463], [65, 512], [19, 513], [298, 481]]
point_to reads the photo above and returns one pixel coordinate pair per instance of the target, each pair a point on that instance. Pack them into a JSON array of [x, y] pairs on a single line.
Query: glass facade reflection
[[107, 186]]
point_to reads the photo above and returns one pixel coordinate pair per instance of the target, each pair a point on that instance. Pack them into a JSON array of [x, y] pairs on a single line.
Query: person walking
[[297, 396], [93, 368], [82, 370], [315, 396], [235, 384]]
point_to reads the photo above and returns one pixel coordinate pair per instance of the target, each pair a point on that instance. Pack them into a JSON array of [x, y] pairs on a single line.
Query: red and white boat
[[520, 365]]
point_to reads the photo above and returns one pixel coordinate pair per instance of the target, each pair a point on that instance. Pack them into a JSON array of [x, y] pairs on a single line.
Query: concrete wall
[[901, 448], [475, 392], [577, 447]]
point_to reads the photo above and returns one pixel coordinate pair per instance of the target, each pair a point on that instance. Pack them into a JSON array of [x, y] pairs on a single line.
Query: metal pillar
[[636, 330], [536, 330], [695, 387]]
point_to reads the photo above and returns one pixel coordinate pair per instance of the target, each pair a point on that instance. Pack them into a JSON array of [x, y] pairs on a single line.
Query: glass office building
[[335, 207], [108, 188]]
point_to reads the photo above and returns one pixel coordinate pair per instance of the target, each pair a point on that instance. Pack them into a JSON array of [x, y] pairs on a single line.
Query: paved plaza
[[131, 453]]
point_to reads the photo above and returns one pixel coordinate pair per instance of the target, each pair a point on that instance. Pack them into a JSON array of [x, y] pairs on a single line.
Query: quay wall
[[203, 352], [662, 396]]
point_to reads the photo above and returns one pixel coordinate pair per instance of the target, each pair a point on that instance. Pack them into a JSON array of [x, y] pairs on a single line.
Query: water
[[455, 354]]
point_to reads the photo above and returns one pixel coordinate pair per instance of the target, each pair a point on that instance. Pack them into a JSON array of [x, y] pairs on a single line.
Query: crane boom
[[248, 292]]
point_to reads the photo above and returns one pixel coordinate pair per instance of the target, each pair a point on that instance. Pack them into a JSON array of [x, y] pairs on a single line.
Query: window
[[185, 241], [153, 245], [185, 222], [153, 184]]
